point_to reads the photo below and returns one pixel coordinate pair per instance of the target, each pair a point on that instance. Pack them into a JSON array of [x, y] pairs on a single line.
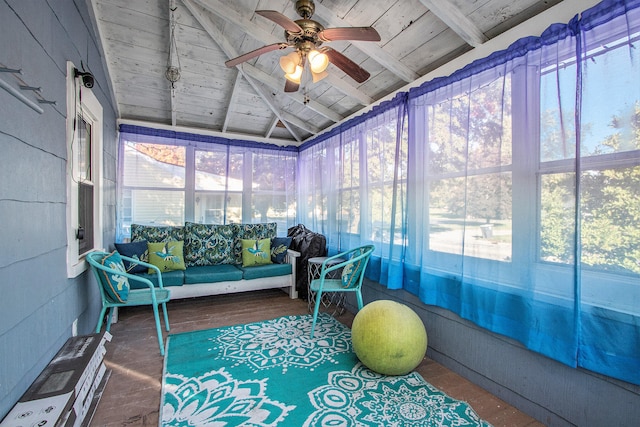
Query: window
[[167, 181], [84, 174], [219, 186], [273, 192], [608, 159], [153, 184], [470, 201]]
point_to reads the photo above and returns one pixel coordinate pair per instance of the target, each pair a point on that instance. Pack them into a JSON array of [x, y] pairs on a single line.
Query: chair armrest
[[327, 269], [142, 263]]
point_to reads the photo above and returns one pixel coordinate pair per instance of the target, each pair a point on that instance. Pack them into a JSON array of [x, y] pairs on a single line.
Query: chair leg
[[166, 316], [101, 319], [109, 318], [156, 316], [359, 298], [315, 311]]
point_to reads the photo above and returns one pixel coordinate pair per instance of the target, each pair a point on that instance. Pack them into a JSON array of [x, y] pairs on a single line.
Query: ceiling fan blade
[[290, 86], [352, 69], [281, 20], [366, 34], [247, 56]]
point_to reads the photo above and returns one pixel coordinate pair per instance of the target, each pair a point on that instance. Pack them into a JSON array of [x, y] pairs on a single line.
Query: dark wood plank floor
[[132, 395]]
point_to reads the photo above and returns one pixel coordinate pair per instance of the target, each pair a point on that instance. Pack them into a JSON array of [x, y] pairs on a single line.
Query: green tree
[[468, 135], [609, 210]]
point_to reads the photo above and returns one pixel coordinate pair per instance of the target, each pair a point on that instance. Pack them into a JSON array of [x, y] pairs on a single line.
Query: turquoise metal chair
[[354, 266], [151, 295]]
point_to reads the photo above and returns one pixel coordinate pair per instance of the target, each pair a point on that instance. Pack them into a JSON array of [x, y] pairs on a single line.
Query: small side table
[[336, 299]]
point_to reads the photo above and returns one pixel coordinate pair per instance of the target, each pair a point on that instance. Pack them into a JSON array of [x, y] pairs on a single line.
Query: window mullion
[[190, 183], [525, 152], [247, 187]]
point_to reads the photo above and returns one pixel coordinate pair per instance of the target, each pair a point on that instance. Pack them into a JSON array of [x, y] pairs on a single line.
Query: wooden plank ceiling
[[417, 36]]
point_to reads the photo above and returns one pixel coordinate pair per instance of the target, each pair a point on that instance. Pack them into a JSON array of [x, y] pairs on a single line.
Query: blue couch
[[213, 260]]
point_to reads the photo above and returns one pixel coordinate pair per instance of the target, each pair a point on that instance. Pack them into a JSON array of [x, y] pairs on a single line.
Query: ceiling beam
[[343, 86], [220, 9], [232, 100], [272, 127], [457, 21], [278, 84], [220, 40], [286, 118], [372, 49]]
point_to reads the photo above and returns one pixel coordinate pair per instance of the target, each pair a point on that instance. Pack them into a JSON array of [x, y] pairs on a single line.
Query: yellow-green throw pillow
[[167, 256], [256, 252]]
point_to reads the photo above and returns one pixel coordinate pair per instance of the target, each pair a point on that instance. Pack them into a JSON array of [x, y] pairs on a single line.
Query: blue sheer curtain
[[608, 185], [474, 218], [353, 187], [508, 192]]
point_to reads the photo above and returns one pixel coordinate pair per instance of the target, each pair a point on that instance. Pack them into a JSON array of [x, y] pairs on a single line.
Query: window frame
[[192, 193], [82, 101]]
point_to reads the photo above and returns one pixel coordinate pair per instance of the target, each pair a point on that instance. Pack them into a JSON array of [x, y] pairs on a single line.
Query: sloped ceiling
[[417, 36]]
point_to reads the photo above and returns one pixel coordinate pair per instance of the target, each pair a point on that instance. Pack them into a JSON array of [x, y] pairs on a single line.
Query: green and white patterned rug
[[272, 374]]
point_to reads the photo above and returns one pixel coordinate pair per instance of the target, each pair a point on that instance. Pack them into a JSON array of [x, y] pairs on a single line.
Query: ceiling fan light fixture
[[289, 62], [318, 61], [296, 76], [305, 36]]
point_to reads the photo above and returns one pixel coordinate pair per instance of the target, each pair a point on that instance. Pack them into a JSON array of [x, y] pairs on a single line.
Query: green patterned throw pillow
[[116, 286], [167, 256], [209, 244], [256, 252], [156, 233]]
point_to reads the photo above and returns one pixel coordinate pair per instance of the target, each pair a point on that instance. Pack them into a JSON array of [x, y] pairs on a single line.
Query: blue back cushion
[[137, 250], [279, 246]]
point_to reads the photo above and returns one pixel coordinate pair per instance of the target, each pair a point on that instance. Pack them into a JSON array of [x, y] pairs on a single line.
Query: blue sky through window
[[608, 104]]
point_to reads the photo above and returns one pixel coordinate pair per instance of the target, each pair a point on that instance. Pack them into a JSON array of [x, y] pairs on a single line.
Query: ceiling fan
[[306, 36]]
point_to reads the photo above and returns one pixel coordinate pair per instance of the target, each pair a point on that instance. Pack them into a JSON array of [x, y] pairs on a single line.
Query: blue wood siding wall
[[38, 304]]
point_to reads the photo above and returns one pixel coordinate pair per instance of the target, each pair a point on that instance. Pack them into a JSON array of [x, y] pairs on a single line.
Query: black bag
[[310, 245]]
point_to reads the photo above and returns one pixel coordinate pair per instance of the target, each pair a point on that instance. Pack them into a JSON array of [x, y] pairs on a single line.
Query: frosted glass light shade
[[295, 76], [289, 62], [318, 61]]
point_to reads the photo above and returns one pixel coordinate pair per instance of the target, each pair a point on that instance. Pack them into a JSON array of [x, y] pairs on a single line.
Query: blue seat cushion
[[267, 270], [169, 278], [212, 273]]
